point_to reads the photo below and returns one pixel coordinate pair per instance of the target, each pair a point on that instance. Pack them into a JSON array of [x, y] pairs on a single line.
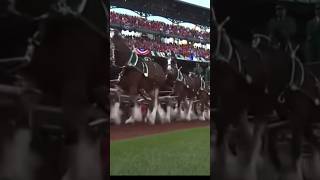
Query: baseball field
[[175, 152]]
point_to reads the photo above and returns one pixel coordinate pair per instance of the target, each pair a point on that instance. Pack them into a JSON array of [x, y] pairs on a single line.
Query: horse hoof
[[129, 121]]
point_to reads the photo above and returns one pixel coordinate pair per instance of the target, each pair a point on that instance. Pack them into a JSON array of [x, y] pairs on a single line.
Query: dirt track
[[141, 129]]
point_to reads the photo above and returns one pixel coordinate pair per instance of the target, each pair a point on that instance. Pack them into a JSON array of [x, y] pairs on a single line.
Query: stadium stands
[[146, 43], [157, 26], [185, 50]]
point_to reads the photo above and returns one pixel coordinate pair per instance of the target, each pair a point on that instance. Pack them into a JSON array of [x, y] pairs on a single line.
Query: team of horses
[[157, 87], [266, 117]]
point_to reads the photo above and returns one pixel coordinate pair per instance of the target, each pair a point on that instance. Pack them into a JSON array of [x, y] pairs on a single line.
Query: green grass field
[[184, 152]]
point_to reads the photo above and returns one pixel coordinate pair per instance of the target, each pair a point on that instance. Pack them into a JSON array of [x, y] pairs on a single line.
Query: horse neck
[[122, 51]]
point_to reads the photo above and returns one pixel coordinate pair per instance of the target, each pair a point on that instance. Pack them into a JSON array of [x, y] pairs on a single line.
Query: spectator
[[185, 50], [138, 22]]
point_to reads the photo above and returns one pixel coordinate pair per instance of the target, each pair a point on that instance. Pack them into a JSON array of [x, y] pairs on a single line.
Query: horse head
[[121, 51], [172, 69]]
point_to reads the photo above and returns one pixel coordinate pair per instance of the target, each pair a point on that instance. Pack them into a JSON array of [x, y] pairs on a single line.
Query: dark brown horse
[[171, 70], [71, 73], [138, 76], [185, 88], [203, 95]]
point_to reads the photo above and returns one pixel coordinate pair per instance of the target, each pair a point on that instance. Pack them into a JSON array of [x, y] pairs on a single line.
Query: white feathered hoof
[[168, 114], [115, 114], [188, 117], [182, 115], [189, 114], [194, 116], [174, 114], [152, 117], [137, 114], [208, 115], [202, 117], [162, 115], [130, 120]]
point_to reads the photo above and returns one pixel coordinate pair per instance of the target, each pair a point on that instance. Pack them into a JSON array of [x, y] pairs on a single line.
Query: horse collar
[[133, 60]]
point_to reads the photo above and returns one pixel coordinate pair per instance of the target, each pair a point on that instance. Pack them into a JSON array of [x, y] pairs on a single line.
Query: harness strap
[[293, 69], [228, 41], [202, 83], [302, 71], [180, 76], [239, 61], [184, 81], [145, 69], [65, 9]]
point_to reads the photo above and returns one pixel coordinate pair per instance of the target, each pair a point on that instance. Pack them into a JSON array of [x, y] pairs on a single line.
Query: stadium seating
[[185, 50], [157, 26]]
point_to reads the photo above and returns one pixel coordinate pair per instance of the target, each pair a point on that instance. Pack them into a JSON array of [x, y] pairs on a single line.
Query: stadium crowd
[[157, 26], [185, 50]]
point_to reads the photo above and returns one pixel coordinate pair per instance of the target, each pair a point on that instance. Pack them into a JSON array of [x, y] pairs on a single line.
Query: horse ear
[[214, 18]]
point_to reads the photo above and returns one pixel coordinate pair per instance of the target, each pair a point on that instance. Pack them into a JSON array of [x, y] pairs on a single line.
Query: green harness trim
[[145, 69], [180, 76], [133, 59]]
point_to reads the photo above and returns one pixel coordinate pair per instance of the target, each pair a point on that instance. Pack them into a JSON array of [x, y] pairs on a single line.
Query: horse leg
[[115, 113], [135, 111], [203, 111], [189, 110], [152, 117], [180, 110], [18, 159], [162, 113], [174, 112], [243, 163], [168, 114], [83, 144]]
